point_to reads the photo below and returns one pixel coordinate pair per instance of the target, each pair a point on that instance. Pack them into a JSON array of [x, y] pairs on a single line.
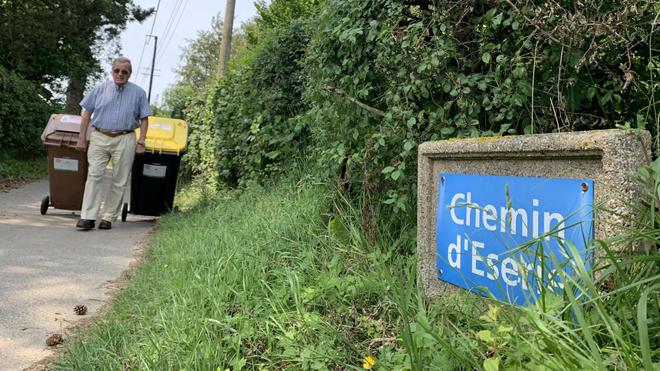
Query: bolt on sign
[[509, 236]]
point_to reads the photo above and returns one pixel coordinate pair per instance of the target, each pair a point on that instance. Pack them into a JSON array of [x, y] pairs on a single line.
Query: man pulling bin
[[116, 108]]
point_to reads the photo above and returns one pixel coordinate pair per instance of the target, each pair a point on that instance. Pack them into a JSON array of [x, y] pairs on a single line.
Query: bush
[[385, 75], [247, 127], [23, 115]]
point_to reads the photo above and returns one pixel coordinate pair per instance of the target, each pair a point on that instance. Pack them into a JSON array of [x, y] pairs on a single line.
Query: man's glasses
[[121, 72]]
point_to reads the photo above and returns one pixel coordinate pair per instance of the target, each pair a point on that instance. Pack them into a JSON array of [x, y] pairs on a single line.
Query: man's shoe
[[85, 224], [105, 224]]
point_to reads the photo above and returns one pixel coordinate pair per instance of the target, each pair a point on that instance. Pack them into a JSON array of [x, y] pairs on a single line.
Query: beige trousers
[[102, 149]]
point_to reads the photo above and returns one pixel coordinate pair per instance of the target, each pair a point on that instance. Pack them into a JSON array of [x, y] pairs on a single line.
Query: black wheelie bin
[[154, 174]]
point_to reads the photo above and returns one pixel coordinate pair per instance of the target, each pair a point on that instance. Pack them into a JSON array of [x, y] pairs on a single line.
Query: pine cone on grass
[[54, 339], [80, 309]]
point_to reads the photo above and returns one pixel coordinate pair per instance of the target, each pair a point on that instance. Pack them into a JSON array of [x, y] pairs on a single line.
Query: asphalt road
[[47, 267]]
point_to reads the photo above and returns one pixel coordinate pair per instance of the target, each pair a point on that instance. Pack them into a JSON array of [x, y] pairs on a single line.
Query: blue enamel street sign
[[511, 237]]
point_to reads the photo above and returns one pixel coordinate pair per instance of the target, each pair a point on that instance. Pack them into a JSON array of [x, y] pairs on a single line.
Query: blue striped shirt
[[116, 108]]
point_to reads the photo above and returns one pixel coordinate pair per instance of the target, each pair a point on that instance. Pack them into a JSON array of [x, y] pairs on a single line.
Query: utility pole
[[225, 46], [153, 64]]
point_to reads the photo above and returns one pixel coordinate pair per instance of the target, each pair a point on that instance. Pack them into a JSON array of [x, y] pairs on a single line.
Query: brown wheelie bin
[[67, 167]]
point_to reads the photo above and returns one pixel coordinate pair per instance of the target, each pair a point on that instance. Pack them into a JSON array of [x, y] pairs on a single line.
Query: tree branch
[[343, 94], [533, 23]]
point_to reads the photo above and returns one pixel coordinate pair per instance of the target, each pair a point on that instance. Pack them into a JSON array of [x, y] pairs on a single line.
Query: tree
[[97, 22], [44, 40], [200, 56], [175, 100]]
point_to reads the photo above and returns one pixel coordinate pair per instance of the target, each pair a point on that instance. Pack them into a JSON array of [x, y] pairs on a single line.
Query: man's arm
[[82, 136], [144, 126]]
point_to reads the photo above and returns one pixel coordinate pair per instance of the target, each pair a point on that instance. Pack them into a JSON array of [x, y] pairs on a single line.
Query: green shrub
[[247, 127], [23, 115], [385, 75]]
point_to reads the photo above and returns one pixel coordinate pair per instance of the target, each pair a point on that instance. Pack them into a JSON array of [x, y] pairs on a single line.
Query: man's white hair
[[123, 60]]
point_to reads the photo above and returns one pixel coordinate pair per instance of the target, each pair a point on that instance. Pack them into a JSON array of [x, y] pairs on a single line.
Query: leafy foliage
[[248, 126], [200, 57], [387, 75], [175, 100], [45, 41], [23, 115], [379, 77], [278, 14]]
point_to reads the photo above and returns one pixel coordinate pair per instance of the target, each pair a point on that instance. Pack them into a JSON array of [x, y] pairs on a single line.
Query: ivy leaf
[[486, 336], [273, 154], [492, 314], [591, 92], [497, 20], [447, 130], [492, 364], [338, 230], [408, 146], [240, 363], [411, 122], [486, 57], [388, 170]]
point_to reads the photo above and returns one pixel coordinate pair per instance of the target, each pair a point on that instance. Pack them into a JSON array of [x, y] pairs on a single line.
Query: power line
[[167, 43], [151, 32], [168, 27], [146, 39]]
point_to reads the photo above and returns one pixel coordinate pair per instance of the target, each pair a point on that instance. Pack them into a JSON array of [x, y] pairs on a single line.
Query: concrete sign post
[[503, 216]]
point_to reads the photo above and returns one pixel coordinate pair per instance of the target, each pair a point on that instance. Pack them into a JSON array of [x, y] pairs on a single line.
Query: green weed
[[17, 169]]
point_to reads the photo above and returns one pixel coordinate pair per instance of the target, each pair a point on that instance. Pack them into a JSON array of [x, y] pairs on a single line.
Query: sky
[[176, 23]]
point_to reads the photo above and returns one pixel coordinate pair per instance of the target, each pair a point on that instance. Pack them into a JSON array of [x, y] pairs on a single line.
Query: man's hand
[[139, 148], [82, 145]]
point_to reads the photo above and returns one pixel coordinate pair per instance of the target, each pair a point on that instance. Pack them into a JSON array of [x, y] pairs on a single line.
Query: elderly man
[[116, 108]]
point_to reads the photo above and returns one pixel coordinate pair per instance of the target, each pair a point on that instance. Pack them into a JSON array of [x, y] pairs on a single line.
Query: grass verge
[[256, 280], [14, 172], [283, 278]]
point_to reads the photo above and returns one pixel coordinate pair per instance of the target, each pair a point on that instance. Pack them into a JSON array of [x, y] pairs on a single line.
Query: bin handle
[[50, 134], [61, 140]]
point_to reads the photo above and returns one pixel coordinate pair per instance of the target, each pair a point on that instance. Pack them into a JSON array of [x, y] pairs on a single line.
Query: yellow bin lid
[[165, 135]]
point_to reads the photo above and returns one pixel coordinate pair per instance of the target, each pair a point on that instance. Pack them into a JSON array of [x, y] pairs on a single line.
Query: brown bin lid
[[62, 130]]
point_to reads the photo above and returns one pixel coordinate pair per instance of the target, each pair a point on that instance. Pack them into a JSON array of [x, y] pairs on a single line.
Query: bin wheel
[[45, 202], [124, 212]]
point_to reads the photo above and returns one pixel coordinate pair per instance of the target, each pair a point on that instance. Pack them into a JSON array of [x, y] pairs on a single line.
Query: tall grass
[[283, 278], [271, 279]]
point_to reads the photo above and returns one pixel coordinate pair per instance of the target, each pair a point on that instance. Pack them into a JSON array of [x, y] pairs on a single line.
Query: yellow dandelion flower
[[368, 362]]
